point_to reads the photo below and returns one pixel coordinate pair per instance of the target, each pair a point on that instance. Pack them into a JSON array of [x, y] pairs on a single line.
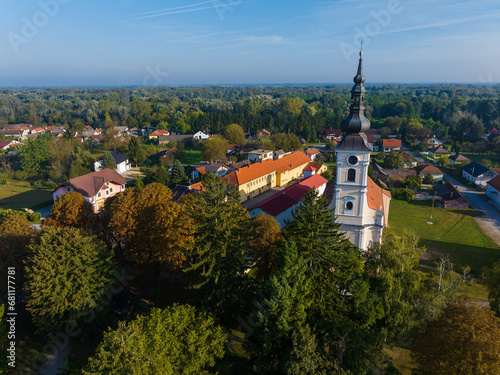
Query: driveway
[[490, 223], [132, 173]]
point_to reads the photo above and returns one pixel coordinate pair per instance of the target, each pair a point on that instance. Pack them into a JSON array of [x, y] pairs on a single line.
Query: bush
[[3, 179], [21, 175], [402, 194]]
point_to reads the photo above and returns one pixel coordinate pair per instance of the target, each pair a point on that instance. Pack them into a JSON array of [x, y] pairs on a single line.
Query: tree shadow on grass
[[462, 255]]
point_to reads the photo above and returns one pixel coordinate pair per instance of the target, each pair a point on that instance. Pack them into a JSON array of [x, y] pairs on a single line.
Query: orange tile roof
[[263, 168], [392, 142], [198, 186], [375, 195], [313, 151]]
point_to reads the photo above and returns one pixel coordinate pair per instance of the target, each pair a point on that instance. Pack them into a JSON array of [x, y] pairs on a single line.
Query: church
[[361, 206]]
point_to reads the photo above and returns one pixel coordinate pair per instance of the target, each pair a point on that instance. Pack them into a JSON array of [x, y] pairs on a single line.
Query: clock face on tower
[[353, 160]]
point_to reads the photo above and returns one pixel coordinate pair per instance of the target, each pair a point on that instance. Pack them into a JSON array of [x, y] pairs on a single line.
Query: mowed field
[[20, 194], [453, 232]]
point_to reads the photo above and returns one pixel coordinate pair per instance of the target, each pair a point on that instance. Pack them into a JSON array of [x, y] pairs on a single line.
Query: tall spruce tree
[[334, 264], [136, 152], [218, 256], [282, 342], [108, 161], [178, 173]]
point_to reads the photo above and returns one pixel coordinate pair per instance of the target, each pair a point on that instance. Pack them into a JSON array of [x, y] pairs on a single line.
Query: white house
[[201, 136], [260, 155], [493, 190], [477, 173], [313, 153], [122, 163]]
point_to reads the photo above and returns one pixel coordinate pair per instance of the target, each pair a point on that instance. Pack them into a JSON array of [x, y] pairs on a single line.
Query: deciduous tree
[[70, 210], [234, 133], [462, 340], [214, 148]]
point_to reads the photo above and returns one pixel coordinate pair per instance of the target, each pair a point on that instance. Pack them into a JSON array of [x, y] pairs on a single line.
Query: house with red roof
[[331, 134], [438, 151], [459, 159], [282, 204], [313, 153], [431, 170], [5, 144], [390, 145], [95, 187]]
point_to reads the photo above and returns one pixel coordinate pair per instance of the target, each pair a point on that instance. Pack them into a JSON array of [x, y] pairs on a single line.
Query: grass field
[[495, 160], [453, 232], [193, 156], [19, 194]]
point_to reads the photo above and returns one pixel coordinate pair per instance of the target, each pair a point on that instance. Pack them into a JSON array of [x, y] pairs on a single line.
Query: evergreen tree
[[282, 342], [177, 340], [335, 265], [492, 278], [161, 175], [108, 161], [178, 173], [136, 152], [218, 259], [67, 272]]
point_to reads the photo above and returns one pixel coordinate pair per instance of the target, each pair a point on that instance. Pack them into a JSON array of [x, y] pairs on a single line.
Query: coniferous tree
[[282, 342], [177, 340], [136, 152], [492, 278], [178, 173], [108, 161], [67, 272], [218, 256]]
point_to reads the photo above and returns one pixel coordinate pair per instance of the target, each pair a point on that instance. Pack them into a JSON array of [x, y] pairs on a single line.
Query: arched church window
[[351, 175]]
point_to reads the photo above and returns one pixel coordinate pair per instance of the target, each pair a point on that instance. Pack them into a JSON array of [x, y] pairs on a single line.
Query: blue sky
[[133, 42]]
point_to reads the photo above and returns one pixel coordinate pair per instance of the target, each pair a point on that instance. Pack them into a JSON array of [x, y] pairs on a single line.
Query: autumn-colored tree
[[15, 235], [462, 340], [492, 279], [147, 226], [266, 240], [70, 210]]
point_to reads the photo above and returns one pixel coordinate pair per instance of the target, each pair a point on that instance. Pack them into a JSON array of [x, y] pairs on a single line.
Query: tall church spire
[[356, 122]]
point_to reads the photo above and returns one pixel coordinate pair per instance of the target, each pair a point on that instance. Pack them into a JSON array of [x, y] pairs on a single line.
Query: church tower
[[360, 205]]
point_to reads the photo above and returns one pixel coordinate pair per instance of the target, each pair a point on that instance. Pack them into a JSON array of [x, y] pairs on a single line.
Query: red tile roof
[[459, 158], [428, 169], [283, 200], [88, 185], [375, 195], [392, 143], [439, 150], [313, 151]]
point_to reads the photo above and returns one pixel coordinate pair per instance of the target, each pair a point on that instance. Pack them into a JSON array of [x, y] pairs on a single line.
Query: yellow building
[[257, 178]]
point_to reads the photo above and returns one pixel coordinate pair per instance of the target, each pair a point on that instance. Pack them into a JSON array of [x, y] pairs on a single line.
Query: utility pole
[[433, 199]]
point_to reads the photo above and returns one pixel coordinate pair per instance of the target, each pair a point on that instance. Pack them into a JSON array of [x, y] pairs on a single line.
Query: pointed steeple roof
[[356, 122]]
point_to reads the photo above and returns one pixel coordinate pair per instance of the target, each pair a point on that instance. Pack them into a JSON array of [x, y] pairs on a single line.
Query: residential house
[[409, 160], [431, 170], [390, 145], [493, 190], [313, 153], [396, 174], [314, 168], [437, 152], [448, 196], [477, 173], [95, 187], [257, 178], [264, 133], [331, 134], [282, 204], [212, 168], [431, 140], [155, 134], [5, 144], [459, 159], [122, 162], [279, 154], [201, 136], [260, 155], [15, 133]]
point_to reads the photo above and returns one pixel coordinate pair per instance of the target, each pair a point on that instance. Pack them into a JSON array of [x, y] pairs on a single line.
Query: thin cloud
[[193, 9], [170, 9]]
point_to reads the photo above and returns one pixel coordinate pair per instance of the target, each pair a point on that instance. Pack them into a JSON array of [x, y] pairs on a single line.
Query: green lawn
[[20, 194], [193, 156], [453, 232], [495, 159]]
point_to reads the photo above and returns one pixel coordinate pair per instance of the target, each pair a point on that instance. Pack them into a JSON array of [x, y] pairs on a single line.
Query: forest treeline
[[302, 110]]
